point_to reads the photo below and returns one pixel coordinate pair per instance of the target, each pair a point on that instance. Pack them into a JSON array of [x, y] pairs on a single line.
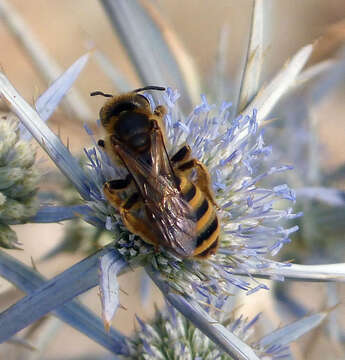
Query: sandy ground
[[66, 29]]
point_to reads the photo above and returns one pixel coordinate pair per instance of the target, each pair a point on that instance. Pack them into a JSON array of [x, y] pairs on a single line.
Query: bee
[[165, 207]]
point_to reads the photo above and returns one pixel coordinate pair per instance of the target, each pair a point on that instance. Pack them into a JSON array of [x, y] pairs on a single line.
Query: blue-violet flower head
[[251, 215]]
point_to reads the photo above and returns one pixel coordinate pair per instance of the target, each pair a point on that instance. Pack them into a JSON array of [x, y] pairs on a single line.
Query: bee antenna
[[95, 93], [160, 88]]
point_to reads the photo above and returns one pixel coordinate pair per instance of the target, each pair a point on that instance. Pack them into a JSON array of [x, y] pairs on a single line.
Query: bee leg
[[182, 155], [112, 190], [135, 224], [203, 180]]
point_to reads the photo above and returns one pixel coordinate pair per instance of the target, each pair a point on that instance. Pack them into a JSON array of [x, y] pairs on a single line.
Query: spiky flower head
[[18, 180], [172, 336], [251, 215]]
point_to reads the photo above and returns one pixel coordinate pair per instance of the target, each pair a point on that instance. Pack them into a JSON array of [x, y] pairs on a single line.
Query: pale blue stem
[[54, 294]]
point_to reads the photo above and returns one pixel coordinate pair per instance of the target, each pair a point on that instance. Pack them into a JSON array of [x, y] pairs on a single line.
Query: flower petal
[[251, 75], [50, 99], [321, 273], [314, 72], [47, 103], [291, 332], [109, 267], [49, 214], [53, 214], [281, 83]]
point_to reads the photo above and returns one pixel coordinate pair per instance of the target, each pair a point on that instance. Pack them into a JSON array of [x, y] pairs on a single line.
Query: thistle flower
[[234, 151], [172, 336], [232, 148], [19, 180]]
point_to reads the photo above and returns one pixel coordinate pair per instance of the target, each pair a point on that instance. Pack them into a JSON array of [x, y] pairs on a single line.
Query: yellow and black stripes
[[207, 240], [200, 199], [182, 155], [204, 213]]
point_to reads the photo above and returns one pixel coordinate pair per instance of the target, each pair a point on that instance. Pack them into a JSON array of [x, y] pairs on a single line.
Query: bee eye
[[142, 101]]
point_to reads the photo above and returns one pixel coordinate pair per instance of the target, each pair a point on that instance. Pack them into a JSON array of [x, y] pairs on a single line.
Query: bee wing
[[168, 210], [175, 225], [161, 165], [143, 174], [173, 215]]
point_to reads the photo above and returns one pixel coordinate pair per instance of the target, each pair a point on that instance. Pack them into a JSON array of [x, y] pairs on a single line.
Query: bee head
[[124, 103]]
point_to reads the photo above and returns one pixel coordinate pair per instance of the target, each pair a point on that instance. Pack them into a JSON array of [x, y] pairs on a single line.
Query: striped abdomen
[[207, 224]]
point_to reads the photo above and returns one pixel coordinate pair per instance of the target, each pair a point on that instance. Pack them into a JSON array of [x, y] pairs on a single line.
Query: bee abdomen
[[211, 250], [204, 213], [207, 232], [202, 209]]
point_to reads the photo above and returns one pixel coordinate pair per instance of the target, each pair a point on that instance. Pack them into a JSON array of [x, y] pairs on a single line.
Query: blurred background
[[68, 29]]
